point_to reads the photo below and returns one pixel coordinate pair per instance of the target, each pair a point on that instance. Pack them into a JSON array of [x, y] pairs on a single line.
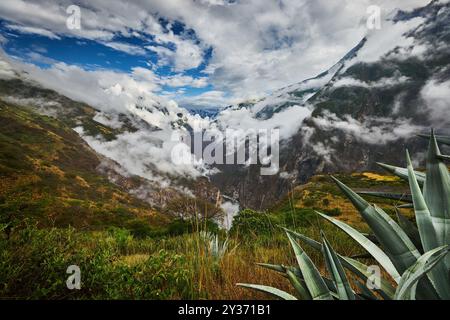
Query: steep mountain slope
[[299, 93], [52, 176], [367, 108], [49, 176], [370, 106]]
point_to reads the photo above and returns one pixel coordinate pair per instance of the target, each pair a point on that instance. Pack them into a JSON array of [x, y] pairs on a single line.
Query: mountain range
[[366, 108]]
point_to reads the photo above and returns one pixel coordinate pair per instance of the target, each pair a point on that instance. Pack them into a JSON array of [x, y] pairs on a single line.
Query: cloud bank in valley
[[374, 130], [436, 95], [242, 50]]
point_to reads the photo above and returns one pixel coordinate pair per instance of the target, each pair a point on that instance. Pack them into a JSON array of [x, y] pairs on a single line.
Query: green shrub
[[163, 275], [249, 223], [33, 264], [335, 212]]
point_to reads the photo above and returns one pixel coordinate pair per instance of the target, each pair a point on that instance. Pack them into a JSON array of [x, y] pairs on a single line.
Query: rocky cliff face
[[367, 108]]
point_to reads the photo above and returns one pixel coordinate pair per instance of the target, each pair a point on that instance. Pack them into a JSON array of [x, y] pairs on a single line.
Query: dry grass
[[241, 267], [379, 177], [216, 279]]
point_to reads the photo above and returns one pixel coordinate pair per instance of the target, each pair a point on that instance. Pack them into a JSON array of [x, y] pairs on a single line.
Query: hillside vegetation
[[58, 210], [48, 176]]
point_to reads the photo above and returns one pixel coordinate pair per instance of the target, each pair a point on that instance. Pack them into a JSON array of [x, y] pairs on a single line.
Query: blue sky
[[94, 55], [202, 53]]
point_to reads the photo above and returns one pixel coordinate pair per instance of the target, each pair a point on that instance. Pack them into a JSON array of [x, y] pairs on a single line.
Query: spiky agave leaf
[[356, 267], [359, 269], [392, 238], [271, 290], [410, 229], [363, 271], [295, 270], [406, 242], [330, 285], [314, 282], [283, 270], [427, 232], [407, 287], [403, 172], [365, 292], [436, 193], [378, 254], [299, 285], [386, 195], [337, 272], [275, 267], [371, 237], [423, 217], [361, 256], [444, 157], [419, 274]]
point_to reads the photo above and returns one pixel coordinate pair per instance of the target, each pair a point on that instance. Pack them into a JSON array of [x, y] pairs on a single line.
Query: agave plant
[[415, 256], [214, 246]]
